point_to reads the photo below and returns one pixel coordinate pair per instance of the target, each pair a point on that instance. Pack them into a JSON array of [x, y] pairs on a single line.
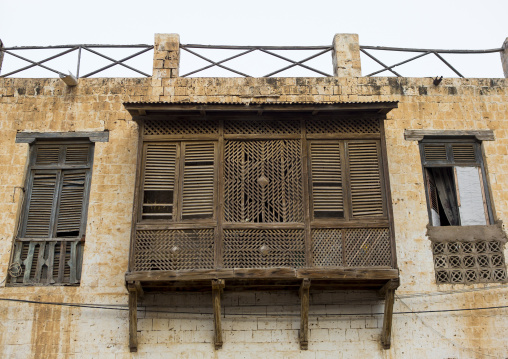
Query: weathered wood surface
[[389, 293], [304, 314], [270, 273], [217, 287], [133, 318]]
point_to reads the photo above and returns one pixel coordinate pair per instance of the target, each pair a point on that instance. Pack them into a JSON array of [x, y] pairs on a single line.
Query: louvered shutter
[[40, 207], [159, 181], [435, 152], [47, 155], [326, 172], [198, 180], [70, 207], [365, 177], [463, 152]]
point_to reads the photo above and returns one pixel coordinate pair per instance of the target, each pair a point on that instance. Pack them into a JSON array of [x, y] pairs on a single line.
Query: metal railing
[[12, 51], [190, 48]]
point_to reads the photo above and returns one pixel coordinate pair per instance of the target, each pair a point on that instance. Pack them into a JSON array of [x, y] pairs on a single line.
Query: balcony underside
[[261, 278]]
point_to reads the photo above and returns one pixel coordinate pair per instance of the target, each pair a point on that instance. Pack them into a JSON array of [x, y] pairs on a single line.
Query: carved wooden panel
[[263, 181], [343, 125], [265, 127], [181, 126], [327, 247], [368, 247], [258, 248], [174, 249]]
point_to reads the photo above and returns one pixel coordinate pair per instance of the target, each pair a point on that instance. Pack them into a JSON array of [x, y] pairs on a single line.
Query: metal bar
[[79, 62], [447, 64], [299, 62], [234, 47], [217, 63], [379, 62], [115, 62], [72, 46], [398, 64], [294, 62], [36, 63], [403, 49]]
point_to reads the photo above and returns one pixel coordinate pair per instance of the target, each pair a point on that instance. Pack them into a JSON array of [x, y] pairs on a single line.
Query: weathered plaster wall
[[256, 324]]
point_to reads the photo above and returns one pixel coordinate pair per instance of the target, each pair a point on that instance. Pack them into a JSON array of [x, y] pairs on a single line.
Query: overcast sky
[[443, 24]]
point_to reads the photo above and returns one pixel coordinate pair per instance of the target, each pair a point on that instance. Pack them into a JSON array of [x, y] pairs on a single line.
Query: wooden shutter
[[463, 152], [159, 181], [365, 176], [70, 207], [435, 152], [77, 153], [198, 180], [47, 155], [40, 204], [326, 174]]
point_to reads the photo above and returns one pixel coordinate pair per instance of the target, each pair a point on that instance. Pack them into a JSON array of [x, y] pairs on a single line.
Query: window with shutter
[[49, 245], [456, 182]]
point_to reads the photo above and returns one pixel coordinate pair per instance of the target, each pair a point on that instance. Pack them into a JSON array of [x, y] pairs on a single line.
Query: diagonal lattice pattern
[[264, 127], [343, 125], [257, 248], [174, 249], [180, 127], [263, 181], [469, 262], [368, 247], [327, 247]]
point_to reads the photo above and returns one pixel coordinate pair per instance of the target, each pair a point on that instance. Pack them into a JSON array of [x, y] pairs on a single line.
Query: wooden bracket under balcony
[[135, 291], [217, 288], [388, 292], [304, 314]]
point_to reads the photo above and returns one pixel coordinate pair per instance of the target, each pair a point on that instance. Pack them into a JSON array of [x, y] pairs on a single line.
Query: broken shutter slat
[[70, 208], [365, 177], [198, 180], [326, 175], [40, 206]]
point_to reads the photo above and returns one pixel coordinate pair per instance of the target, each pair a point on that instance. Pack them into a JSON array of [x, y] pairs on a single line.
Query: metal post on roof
[[1, 55], [504, 58]]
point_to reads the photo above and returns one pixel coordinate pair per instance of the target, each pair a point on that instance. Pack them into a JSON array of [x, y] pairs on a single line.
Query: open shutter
[[326, 173], [40, 206], [159, 181], [365, 173], [70, 208], [198, 181]]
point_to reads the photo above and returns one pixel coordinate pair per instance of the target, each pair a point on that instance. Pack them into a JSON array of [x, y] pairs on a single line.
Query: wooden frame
[[51, 233], [353, 275]]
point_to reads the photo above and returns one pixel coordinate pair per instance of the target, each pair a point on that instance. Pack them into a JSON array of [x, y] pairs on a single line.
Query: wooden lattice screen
[[262, 193]]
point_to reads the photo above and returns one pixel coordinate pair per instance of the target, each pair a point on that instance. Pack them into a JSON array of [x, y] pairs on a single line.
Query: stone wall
[[256, 324]]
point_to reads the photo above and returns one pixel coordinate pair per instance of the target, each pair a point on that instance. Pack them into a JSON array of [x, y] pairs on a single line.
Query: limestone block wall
[[256, 324]]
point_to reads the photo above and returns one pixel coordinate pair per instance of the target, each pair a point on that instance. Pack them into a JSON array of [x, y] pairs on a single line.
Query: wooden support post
[[388, 291], [304, 314], [217, 287], [133, 317]]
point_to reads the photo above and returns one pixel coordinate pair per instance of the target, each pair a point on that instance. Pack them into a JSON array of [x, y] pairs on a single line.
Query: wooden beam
[[304, 314], [133, 317], [30, 137], [418, 135], [346, 274], [217, 287], [388, 291]]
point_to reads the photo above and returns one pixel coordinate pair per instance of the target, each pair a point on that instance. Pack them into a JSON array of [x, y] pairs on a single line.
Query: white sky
[[444, 24]]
